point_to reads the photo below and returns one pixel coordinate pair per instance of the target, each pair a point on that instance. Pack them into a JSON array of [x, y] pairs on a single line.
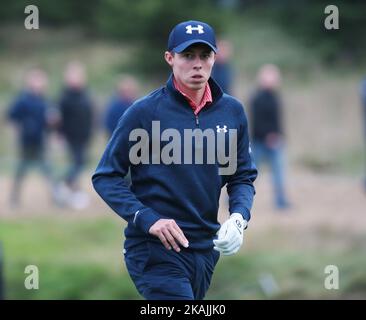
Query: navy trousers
[[161, 274]]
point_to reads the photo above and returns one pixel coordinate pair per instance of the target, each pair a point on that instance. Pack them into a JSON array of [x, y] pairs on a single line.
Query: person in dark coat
[[28, 113], [222, 70], [267, 130], [76, 116], [127, 90]]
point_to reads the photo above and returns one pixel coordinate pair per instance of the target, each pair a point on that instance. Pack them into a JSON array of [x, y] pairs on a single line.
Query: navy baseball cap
[[187, 33]]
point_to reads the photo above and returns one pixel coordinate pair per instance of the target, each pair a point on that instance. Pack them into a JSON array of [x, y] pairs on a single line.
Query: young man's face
[[192, 67]]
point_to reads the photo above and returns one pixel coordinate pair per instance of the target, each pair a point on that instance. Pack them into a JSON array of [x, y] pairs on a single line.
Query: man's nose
[[197, 63]]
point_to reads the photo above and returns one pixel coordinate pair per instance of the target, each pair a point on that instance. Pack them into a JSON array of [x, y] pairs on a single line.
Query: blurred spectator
[[267, 129], [127, 91], [363, 101], [29, 114], [222, 71], [76, 112]]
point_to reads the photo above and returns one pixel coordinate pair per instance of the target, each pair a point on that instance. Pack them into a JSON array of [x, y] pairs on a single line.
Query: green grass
[[77, 259], [296, 275], [80, 258]]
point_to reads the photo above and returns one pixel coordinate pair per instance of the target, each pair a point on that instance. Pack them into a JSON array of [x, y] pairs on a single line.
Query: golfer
[[183, 143]]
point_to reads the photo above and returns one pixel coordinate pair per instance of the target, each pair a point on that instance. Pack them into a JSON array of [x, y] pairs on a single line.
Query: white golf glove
[[230, 235]]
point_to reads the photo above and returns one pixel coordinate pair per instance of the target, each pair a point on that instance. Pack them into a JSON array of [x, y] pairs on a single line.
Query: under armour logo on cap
[[190, 32], [199, 29], [223, 129]]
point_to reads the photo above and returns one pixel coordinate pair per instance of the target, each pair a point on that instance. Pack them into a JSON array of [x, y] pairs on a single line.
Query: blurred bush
[[144, 23], [304, 20], [61, 13], [147, 23]]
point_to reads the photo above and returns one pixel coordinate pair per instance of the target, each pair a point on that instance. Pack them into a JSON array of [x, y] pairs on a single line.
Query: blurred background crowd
[[64, 86]]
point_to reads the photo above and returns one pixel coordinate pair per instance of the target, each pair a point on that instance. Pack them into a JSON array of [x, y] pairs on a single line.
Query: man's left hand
[[230, 235]]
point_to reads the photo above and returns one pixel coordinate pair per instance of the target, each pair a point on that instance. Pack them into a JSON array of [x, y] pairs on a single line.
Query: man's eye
[[205, 56], [188, 55]]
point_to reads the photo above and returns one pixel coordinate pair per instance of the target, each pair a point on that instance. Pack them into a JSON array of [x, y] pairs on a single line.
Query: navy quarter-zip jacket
[[187, 193]]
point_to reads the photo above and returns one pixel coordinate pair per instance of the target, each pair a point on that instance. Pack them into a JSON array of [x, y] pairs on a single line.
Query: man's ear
[[169, 58]]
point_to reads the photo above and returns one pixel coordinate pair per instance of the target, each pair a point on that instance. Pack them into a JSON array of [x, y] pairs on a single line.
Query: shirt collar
[[206, 99]]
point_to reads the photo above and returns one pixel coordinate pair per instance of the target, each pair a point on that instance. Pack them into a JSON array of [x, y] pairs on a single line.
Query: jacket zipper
[[197, 120]]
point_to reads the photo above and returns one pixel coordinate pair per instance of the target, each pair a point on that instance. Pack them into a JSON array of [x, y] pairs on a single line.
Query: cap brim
[[185, 45]]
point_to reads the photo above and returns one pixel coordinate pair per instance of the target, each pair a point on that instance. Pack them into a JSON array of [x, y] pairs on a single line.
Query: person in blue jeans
[[173, 237], [29, 115], [267, 130]]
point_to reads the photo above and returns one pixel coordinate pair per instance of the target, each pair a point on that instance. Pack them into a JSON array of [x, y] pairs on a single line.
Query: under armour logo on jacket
[[199, 29], [223, 129]]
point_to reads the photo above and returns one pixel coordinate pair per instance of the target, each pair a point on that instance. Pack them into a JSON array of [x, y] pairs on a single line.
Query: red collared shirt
[[206, 99]]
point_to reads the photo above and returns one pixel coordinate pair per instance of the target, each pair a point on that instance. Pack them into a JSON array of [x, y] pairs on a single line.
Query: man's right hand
[[169, 234]]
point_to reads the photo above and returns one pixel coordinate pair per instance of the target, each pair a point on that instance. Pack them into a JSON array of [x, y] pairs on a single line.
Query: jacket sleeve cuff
[[145, 218]]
